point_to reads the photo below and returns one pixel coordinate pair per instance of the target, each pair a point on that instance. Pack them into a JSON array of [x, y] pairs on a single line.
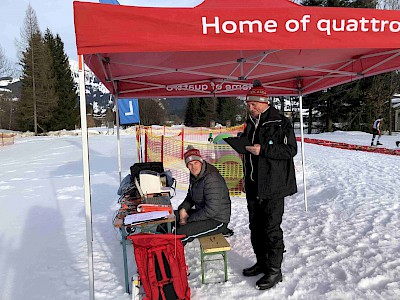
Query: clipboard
[[238, 143]]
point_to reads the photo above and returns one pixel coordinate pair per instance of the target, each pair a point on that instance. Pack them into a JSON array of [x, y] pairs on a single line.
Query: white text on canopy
[[328, 26]]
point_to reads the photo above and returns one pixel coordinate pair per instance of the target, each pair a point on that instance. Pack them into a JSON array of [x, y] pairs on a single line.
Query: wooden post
[[146, 144], [182, 143], [162, 149]]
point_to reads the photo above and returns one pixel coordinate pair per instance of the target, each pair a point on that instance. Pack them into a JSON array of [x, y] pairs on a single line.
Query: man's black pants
[[265, 218], [198, 229]]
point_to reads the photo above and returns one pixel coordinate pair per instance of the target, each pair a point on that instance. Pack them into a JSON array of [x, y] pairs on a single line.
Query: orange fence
[[191, 133], [351, 146], [6, 138], [167, 145]]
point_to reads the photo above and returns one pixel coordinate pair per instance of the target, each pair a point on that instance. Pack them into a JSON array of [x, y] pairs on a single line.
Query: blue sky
[[57, 15]]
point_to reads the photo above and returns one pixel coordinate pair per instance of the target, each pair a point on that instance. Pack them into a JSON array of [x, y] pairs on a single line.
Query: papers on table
[[142, 217], [165, 189], [150, 182]]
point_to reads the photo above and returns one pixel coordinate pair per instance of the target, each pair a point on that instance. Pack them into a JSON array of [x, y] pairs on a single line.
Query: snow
[[4, 81], [345, 247], [90, 78]]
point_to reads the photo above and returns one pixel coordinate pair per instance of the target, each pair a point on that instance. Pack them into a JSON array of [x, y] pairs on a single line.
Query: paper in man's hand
[[238, 143]]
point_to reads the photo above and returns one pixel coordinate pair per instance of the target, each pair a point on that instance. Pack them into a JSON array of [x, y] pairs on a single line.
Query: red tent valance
[[219, 47]]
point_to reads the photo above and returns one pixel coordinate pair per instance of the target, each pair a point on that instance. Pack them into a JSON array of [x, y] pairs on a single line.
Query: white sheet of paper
[[140, 217], [150, 183]]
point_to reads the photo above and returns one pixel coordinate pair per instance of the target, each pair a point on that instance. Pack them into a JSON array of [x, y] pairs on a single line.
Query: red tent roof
[[248, 3], [221, 46]]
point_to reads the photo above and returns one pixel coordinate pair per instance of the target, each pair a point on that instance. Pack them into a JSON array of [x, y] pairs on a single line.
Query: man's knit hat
[[257, 93], [192, 154]]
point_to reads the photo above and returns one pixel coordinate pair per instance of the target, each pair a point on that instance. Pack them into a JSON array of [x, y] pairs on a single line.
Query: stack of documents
[[145, 216]]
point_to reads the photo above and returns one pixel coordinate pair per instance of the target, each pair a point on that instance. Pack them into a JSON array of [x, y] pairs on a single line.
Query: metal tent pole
[[140, 158], [86, 175], [118, 139], [303, 161]]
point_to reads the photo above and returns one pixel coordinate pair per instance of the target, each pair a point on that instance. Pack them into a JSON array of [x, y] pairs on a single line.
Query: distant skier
[[376, 131], [397, 143]]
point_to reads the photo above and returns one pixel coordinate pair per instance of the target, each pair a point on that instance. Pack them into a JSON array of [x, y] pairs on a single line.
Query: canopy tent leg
[[140, 144], [303, 160], [86, 176], [118, 138]]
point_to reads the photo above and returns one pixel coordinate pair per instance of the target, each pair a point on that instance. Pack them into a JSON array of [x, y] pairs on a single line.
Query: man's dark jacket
[[209, 195], [274, 166]]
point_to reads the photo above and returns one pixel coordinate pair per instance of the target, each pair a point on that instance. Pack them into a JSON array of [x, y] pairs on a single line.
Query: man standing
[[269, 177], [376, 131], [206, 209]]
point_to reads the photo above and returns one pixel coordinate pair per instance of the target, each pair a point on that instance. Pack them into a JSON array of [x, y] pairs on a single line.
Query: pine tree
[[345, 103], [341, 3], [66, 114], [200, 111], [228, 108], [151, 112], [205, 112], [312, 2], [364, 3], [190, 111], [38, 97]]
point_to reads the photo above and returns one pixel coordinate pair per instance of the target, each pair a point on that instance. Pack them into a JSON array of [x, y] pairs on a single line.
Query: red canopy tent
[[220, 46]]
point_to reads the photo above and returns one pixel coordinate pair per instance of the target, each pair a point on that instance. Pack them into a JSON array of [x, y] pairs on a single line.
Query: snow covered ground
[[345, 247]]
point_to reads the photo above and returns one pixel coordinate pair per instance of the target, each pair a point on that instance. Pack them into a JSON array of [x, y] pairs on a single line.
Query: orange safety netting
[[351, 146], [6, 139], [168, 145]]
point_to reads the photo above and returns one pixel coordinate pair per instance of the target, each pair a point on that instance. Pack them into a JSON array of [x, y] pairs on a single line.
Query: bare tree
[[29, 30], [389, 4], [29, 27], [5, 71], [5, 65]]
